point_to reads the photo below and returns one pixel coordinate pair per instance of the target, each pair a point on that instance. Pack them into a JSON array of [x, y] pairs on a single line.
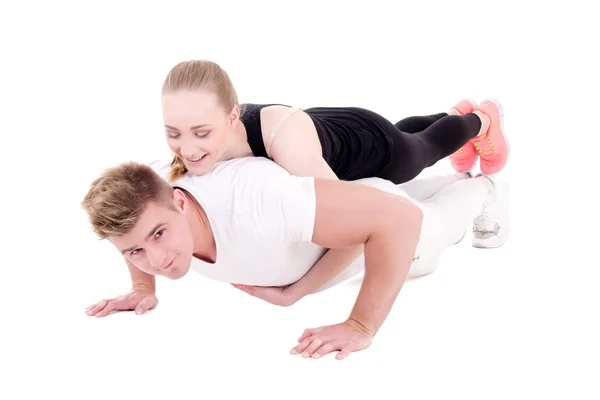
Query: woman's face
[[198, 129]]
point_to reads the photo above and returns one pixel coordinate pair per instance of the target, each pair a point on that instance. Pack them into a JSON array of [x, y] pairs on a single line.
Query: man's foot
[[491, 227], [464, 159], [492, 146]]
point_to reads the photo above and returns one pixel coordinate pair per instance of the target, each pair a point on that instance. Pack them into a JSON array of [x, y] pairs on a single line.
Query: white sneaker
[[491, 227]]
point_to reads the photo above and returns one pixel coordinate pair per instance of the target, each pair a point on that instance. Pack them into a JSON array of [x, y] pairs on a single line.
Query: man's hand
[[138, 300], [277, 295], [345, 337]]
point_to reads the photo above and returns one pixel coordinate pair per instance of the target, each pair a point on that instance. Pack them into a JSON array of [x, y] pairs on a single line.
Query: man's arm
[[349, 214], [297, 154], [298, 150], [141, 297], [141, 281]]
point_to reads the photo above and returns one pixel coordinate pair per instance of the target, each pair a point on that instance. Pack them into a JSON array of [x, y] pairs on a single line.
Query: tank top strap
[[250, 117], [291, 111]]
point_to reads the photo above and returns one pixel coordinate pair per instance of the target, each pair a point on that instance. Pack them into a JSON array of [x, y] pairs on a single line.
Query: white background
[[80, 91]]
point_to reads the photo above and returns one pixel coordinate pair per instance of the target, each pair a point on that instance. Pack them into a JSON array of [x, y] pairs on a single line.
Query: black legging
[[419, 142]]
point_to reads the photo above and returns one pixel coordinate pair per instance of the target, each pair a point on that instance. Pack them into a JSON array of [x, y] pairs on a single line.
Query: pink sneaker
[[465, 106], [464, 159], [492, 146]]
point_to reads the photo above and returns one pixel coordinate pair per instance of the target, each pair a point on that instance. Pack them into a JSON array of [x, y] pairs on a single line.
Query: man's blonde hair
[[115, 200], [194, 75]]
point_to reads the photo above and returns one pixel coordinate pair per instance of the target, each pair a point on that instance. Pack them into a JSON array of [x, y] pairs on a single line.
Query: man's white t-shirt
[[262, 218]]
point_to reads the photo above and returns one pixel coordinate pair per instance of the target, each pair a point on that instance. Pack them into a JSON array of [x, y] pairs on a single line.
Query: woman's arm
[[330, 265], [291, 141]]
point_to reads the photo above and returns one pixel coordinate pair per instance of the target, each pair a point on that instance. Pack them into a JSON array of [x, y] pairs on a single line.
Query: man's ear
[[180, 200]]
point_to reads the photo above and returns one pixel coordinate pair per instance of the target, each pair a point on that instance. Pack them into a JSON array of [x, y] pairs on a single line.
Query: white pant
[[449, 204]]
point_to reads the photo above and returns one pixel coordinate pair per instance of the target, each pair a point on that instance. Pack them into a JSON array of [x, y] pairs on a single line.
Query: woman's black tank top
[[355, 141]]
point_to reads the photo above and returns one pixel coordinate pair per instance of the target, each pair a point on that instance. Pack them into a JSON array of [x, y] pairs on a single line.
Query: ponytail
[[178, 169]]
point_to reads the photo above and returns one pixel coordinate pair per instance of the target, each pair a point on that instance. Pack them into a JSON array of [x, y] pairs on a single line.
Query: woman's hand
[[278, 295]]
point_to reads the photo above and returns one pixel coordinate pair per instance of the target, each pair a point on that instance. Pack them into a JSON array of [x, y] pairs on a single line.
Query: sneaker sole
[[501, 112], [492, 242], [483, 244]]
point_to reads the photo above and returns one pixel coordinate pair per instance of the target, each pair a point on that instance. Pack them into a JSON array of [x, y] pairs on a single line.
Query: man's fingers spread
[[314, 346], [325, 349], [307, 333], [109, 308], [300, 348], [98, 307]]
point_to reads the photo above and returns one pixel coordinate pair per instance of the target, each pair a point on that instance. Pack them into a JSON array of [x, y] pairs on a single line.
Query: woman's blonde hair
[[194, 75]]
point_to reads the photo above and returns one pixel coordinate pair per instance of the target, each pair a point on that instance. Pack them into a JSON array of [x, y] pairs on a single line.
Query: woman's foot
[[464, 159], [463, 107], [491, 144]]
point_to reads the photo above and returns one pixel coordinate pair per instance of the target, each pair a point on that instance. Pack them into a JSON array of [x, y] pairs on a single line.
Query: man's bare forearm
[[388, 257], [388, 225], [330, 265], [140, 280]]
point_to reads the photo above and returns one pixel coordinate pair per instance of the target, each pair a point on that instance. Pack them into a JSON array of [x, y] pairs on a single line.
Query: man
[[249, 222]]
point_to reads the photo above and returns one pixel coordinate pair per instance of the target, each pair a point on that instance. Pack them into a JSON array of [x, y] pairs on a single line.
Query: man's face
[[161, 243]]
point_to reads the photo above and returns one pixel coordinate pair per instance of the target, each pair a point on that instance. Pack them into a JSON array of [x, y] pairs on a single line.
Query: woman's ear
[[234, 116]]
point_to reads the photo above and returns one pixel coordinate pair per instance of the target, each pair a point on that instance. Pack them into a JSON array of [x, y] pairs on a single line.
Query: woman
[[205, 124]]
